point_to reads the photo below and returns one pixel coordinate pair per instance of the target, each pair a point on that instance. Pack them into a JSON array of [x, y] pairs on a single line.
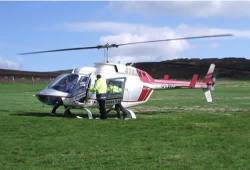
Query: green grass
[[176, 129]]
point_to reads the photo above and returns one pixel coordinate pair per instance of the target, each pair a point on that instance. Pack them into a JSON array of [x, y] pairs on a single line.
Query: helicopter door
[[80, 91], [115, 91]]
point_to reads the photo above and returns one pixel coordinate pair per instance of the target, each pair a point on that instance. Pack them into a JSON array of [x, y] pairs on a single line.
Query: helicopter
[[72, 90]]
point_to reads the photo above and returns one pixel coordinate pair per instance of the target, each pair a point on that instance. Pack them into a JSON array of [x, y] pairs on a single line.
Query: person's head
[[98, 76]]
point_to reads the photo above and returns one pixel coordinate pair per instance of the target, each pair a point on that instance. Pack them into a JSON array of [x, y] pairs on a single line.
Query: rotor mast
[[106, 50], [106, 54]]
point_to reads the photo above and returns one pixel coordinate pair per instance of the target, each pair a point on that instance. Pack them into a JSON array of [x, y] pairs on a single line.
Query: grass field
[[176, 129]]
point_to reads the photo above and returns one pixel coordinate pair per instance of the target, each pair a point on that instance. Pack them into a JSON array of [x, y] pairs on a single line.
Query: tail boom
[[207, 83], [171, 84], [160, 84]]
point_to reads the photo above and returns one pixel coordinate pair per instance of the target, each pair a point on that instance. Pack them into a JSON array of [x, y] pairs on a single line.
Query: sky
[[33, 26]]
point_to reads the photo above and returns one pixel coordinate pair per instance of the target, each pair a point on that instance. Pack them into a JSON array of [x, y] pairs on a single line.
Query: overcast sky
[[29, 26]]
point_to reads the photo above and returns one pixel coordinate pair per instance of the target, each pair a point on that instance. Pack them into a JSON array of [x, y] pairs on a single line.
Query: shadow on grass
[[42, 114], [4, 110], [71, 116]]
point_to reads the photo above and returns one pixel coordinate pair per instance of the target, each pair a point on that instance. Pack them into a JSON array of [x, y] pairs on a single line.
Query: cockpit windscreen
[[65, 82]]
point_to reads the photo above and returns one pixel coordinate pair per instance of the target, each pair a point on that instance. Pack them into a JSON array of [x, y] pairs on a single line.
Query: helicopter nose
[[49, 100], [50, 96]]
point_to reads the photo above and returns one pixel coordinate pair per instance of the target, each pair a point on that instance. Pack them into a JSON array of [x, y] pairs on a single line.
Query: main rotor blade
[[131, 43], [177, 39], [63, 49]]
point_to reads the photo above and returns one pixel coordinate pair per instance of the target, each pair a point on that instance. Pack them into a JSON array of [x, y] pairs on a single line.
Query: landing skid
[[131, 114], [90, 115]]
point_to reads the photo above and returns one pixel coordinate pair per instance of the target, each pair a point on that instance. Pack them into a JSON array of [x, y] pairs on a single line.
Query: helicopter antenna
[[107, 46]]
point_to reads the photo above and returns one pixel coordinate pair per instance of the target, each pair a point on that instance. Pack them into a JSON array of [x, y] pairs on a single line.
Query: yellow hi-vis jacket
[[114, 89], [100, 86]]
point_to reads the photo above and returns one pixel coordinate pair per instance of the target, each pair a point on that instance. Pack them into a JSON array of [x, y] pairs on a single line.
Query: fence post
[[33, 82]]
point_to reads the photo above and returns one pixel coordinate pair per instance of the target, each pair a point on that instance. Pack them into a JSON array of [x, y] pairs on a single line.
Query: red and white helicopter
[[71, 90]]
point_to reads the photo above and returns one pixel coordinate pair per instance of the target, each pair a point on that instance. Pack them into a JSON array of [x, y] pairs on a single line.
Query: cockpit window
[[71, 83], [80, 88], [65, 82]]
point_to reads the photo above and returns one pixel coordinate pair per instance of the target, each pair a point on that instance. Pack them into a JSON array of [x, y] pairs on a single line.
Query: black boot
[[55, 107], [67, 112], [58, 104]]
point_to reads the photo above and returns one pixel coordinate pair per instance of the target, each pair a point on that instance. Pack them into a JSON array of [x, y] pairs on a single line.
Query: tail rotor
[[210, 82]]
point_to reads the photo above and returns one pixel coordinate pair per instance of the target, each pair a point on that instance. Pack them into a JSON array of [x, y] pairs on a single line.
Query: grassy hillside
[[176, 129], [226, 68]]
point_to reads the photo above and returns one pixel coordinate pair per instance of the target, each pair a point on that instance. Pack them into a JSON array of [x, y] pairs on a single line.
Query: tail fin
[[210, 81], [209, 78], [208, 95]]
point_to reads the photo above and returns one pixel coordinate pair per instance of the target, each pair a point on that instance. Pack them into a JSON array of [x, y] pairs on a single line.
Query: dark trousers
[[118, 108], [57, 105], [101, 99]]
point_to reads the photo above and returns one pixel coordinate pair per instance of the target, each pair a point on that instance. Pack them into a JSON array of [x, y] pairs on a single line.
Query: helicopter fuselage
[[133, 91], [71, 90]]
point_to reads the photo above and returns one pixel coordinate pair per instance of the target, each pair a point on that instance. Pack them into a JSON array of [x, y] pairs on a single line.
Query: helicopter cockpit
[[70, 83], [64, 83]]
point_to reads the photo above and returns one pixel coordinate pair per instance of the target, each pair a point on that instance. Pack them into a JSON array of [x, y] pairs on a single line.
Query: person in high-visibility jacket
[[100, 89], [112, 88]]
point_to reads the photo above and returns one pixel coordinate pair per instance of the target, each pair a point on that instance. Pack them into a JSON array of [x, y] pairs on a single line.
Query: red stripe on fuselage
[[144, 93]]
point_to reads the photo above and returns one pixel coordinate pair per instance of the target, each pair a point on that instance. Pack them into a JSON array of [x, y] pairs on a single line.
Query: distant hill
[[28, 76], [228, 68], [18, 73]]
